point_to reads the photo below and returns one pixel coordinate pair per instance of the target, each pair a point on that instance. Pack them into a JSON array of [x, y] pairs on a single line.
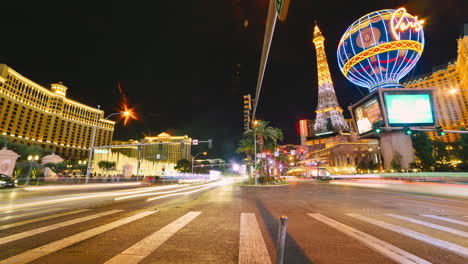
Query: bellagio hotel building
[[450, 83], [34, 115]]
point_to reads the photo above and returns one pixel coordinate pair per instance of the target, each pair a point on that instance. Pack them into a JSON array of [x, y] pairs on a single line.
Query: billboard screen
[[367, 114], [409, 109]]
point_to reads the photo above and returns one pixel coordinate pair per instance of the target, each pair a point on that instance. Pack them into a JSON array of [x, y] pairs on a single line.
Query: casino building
[[450, 82], [34, 115]]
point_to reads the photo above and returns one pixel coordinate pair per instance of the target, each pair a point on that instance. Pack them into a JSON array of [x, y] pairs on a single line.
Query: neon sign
[[400, 25]]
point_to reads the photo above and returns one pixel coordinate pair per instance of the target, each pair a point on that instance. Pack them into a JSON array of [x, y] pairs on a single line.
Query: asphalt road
[[239, 224]]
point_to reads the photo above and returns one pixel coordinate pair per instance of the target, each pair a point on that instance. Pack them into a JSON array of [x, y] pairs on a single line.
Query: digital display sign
[[409, 109], [367, 114]]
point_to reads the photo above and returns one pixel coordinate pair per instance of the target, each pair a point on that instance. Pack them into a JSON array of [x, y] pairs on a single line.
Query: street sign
[[158, 156], [194, 142], [282, 7], [101, 151]]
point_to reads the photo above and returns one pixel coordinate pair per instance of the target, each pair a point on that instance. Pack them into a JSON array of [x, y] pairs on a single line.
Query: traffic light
[[247, 102], [377, 129], [408, 131], [210, 144], [440, 132], [247, 108]]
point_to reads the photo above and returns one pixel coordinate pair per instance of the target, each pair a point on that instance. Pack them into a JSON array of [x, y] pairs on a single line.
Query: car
[[6, 181]]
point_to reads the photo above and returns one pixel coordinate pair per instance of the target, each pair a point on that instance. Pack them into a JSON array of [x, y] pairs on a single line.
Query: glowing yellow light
[[127, 114], [400, 25], [453, 91]]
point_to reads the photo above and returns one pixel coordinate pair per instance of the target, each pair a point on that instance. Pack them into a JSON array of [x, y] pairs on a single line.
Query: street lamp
[[81, 162], [93, 137], [31, 158], [193, 158]]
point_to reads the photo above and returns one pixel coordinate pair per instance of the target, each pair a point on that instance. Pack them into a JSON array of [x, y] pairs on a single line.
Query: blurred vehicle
[[6, 181]]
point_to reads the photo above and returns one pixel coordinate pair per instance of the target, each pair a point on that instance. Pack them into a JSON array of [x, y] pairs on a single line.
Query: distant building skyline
[[34, 115]]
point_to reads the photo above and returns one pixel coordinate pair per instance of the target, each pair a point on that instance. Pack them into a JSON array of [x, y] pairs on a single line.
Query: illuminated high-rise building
[[450, 82], [34, 115], [329, 113]]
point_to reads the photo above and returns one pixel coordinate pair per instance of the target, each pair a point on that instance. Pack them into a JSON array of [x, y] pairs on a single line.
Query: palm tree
[[266, 136], [246, 145], [263, 132]]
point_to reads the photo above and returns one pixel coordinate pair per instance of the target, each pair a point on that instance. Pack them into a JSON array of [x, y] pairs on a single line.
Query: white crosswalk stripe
[[431, 225], [39, 252], [446, 219], [252, 248], [454, 248], [142, 249], [36, 231], [392, 252], [3, 227]]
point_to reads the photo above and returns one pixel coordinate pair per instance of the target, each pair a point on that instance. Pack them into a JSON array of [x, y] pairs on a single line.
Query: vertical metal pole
[[193, 159], [138, 161], [91, 149], [255, 154], [29, 175], [281, 239]]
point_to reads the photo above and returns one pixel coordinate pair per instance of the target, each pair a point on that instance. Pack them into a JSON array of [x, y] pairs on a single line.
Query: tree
[[106, 165], [183, 165], [423, 149], [462, 150], [396, 161], [267, 137]]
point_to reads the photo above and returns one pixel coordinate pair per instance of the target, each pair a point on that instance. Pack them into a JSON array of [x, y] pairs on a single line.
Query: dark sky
[[176, 60]]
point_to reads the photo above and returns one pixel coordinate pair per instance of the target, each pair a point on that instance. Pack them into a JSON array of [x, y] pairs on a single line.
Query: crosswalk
[[251, 236]]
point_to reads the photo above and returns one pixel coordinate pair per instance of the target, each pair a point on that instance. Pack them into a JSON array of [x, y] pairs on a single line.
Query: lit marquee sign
[[397, 22], [409, 109]]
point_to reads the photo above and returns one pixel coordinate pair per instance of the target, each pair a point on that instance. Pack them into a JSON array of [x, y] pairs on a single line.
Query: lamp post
[[81, 162], [254, 125], [31, 159], [193, 158], [93, 137]]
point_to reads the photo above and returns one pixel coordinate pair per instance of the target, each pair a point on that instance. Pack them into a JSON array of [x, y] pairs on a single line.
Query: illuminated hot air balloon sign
[[380, 48]]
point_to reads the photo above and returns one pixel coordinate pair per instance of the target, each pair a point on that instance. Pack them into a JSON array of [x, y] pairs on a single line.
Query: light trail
[[85, 197], [80, 186], [189, 192], [150, 194]]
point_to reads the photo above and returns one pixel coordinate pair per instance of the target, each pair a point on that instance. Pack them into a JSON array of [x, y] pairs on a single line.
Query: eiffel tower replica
[[329, 117]]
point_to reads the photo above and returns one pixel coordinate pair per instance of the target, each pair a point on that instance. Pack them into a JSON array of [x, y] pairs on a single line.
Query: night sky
[[185, 64]]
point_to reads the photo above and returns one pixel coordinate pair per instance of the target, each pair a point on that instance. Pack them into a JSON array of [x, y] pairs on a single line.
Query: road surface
[[238, 224]]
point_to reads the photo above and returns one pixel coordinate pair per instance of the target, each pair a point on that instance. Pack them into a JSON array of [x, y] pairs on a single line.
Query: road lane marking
[[454, 248], [431, 225], [3, 227], [143, 248], [43, 229], [35, 212], [39, 252], [446, 219], [396, 254], [252, 248]]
